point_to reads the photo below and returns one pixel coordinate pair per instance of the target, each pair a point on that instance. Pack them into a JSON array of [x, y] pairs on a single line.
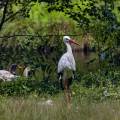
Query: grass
[[35, 108]]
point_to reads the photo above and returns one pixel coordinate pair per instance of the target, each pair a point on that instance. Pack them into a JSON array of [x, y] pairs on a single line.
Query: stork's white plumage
[[6, 75], [26, 71], [11, 74], [67, 61]]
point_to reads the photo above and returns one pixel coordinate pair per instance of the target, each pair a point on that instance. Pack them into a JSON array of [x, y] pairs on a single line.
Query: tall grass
[[32, 108]]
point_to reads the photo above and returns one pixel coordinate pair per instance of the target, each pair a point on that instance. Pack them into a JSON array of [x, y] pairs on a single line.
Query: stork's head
[[13, 68], [67, 39]]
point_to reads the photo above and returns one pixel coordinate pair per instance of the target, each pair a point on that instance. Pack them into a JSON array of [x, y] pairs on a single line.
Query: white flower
[[105, 93]]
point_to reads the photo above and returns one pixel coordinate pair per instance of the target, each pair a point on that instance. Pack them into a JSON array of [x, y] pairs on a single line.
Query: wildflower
[[105, 93]]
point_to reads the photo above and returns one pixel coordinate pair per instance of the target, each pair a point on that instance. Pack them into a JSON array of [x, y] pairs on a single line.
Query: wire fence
[[29, 35]]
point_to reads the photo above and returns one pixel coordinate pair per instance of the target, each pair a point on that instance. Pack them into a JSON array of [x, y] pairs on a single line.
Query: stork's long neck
[[69, 49]]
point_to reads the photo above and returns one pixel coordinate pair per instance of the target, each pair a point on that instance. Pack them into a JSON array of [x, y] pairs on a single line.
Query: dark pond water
[[86, 61]]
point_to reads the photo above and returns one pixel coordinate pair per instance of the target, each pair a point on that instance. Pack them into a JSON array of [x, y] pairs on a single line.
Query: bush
[[98, 86], [23, 87], [102, 78], [94, 94]]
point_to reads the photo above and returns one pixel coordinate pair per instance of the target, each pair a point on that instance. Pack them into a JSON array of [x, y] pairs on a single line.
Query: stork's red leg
[[67, 93]]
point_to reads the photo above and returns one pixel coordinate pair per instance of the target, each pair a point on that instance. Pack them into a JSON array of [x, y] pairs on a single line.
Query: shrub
[[98, 86], [102, 77], [23, 87]]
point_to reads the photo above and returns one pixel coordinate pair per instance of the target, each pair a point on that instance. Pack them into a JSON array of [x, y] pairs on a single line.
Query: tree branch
[[4, 14], [13, 15]]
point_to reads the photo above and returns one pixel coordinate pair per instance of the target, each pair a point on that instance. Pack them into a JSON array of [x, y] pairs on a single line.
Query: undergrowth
[[94, 86]]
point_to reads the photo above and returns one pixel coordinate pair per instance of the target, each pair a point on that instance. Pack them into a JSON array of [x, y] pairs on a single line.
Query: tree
[[4, 5]]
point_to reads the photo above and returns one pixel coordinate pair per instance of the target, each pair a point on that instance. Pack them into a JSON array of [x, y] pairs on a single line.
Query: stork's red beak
[[73, 41]]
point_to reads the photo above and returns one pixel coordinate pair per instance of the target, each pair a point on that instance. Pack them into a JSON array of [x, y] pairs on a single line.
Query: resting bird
[[11, 74], [8, 75]]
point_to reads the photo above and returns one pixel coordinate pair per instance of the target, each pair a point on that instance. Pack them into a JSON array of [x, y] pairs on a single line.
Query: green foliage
[[23, 86], [102, 77], [95, 86], [95, 94], [98, 86], [37, 51], [43, 22]]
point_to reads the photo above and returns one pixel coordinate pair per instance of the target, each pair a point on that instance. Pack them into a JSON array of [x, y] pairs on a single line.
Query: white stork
[[8, 75], [27, 72], [67, 65], [11, 74]]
